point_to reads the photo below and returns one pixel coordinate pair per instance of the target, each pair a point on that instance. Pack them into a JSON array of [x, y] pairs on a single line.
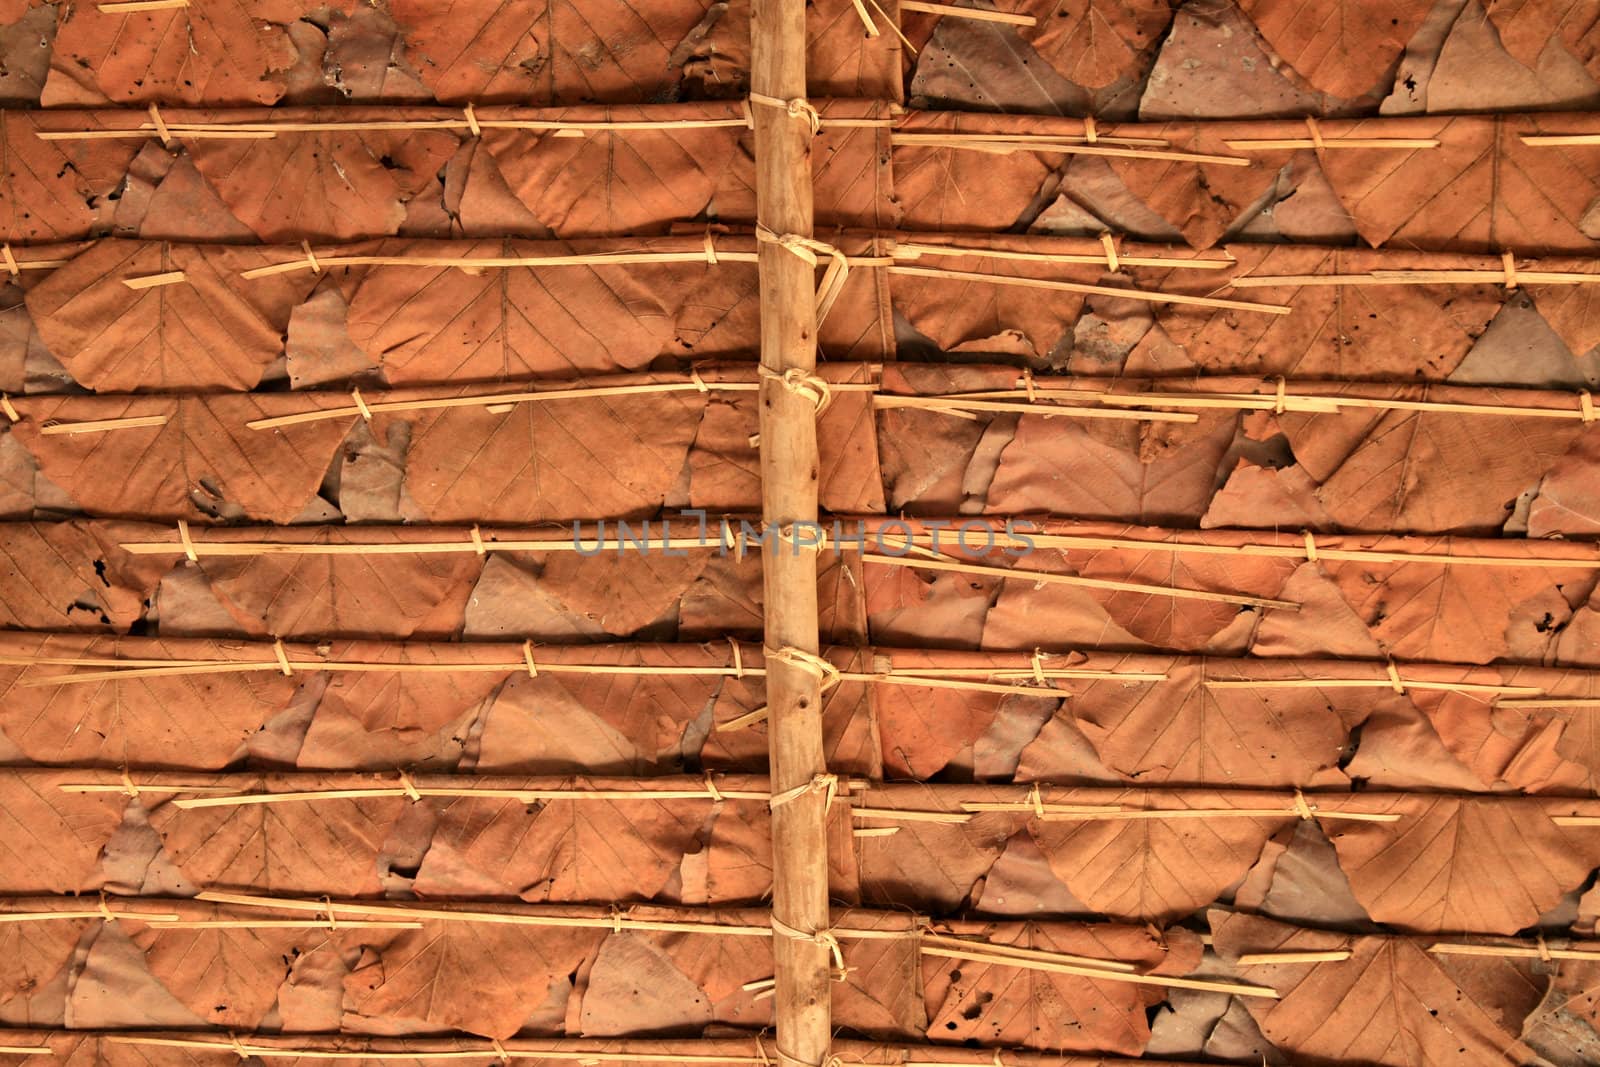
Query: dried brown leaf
[[477, 977], [202, 461], [1391, 1003], [562, 460], [328, 847], [433, 324], [215, 53], [323, 186], [563, 850], [214, 330], [1475, 865], [148, 722], [1348, 49]]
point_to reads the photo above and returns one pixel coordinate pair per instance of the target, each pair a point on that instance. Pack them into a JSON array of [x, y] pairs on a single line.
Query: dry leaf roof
[[1267, 329]]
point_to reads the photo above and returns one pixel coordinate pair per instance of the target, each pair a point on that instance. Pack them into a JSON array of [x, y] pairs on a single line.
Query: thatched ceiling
[[383, 667]]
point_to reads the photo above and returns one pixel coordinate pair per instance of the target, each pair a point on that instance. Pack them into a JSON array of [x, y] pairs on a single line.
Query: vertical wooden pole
[[789, 471]]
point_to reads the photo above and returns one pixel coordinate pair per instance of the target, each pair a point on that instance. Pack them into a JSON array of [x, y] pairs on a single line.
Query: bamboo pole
[[733, 1049], [790, 465]]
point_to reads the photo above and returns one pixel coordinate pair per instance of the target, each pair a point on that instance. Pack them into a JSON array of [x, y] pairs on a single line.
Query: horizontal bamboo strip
[[1044, 411], [152, 281], [1028, 671], [497, 399], [977, 14], [1590, 560], [1355, 555], [1149, 296], [131, 422], [1210, 985], [1002, 955], [1289, 401], [508, 1051], [731, 1049], [1052, 578], [1487, 275], [165, 918], [917, 250], [418, 792], [513, 915], [1013, 952], [966, 679], [314, 262], [410, 548], [1159, 814], [1516, 952], [1260, 959], [1007, 143], [901, 815], [1554, 140], [949, 803], [247, 129], [1366, 683], [129, 7], [1270, 144]]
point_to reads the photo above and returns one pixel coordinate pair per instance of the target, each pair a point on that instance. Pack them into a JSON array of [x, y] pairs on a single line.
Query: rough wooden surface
[[789, 478]]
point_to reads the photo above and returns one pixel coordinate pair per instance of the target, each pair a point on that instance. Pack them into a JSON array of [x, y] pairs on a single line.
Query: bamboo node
[[1395, 681], [802, 382], [1302, 806], [188, 542], [872, 31], [1508, 263], [283, 657], [797, 108], [824, 783], [1315, 129], [807, 249], [1113, 264], [825, 938], [160, 125], [409, 785], [826, 673]]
